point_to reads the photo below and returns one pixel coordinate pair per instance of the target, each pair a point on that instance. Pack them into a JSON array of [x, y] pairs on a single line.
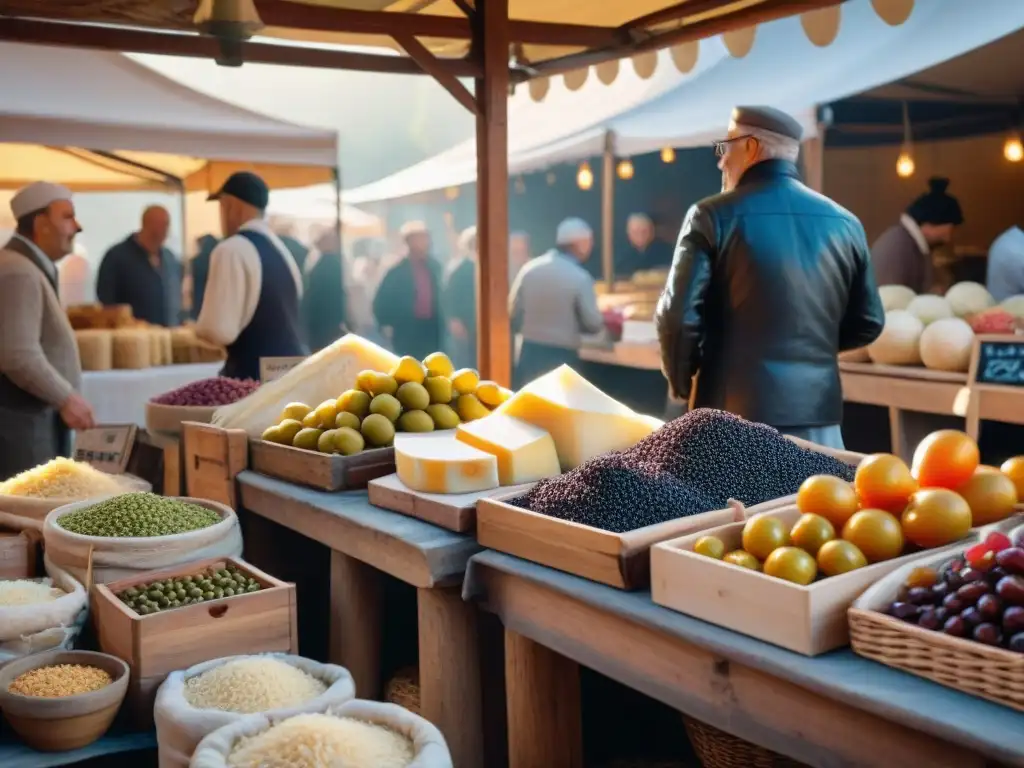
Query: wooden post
[[356, 622], [491, 41], [608, 210]]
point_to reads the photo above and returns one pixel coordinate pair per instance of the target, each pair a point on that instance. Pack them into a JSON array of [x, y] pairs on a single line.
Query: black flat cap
[[247, 187], [768, 119]]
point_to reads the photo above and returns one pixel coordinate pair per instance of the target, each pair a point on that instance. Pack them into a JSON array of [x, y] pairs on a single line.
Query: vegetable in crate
[[977, 596], [138, 515], [179, 591], [218, 390], [694, 464]]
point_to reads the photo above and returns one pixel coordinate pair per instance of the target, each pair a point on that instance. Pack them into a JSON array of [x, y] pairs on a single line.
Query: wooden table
[[831, 710], [106, 751], [365, 541]]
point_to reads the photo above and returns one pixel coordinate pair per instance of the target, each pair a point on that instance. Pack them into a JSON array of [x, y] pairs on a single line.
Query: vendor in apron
[[553, 304], [251, 305]]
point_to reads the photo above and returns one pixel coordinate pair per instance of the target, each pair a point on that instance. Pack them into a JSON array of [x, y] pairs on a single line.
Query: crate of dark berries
[[161, 621], [600, 519], [956, 619]]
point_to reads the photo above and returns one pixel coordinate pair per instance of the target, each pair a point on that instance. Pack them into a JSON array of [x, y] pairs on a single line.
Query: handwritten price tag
[[273, 368], [107, 448]]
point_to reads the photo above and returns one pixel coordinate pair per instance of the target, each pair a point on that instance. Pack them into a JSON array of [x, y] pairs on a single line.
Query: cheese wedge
[[442, 464], [583, 421], [525, 453]]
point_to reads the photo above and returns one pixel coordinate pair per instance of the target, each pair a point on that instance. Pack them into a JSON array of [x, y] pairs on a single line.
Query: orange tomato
[[831, 497], [876, 533], [990, 495], [883, 481], [1014, 469], [936, 517], [945, 459]]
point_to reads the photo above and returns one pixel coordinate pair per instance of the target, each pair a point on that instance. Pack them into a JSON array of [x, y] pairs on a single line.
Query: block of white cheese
[[525, 453], [583, 421], [442, 464]]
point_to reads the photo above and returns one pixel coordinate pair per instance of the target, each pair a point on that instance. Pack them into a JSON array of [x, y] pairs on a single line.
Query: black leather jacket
[[769, 282]]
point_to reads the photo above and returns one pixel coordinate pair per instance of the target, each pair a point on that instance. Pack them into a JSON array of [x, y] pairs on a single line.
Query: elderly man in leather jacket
[[770, 280]]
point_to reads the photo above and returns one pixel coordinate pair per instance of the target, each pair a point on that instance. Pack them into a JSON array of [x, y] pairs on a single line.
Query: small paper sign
[[272, 368], [107, 448], [1000, 362]]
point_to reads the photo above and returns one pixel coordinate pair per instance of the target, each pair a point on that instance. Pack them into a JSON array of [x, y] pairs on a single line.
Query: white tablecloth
[[120, 397]]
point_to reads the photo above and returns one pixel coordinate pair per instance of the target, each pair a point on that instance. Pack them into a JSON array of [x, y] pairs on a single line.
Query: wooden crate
[[18, 554], [325, 471], [617, 559], [809, 620], [155, 645], [168, 419], [454, 511], [213, 457]]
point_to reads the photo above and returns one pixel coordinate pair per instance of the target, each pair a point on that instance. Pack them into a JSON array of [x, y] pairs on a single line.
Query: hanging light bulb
[[231, 22], [584, 177], [624, 169], [905, 164], [1013, 149], [452, 193], [668, 155]]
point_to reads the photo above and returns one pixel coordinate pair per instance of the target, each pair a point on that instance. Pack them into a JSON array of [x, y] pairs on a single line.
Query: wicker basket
[[991, 673], [718, 749], [404, 689]]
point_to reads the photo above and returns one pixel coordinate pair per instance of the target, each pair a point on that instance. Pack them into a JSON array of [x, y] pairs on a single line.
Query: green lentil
[[176, 593], [138, 515]]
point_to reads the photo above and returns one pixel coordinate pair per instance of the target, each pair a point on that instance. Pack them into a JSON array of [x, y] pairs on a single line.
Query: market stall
[[120, 397]]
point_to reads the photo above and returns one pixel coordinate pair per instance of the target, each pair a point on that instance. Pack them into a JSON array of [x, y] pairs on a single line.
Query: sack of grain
[[156, 345], [95, 349], [115, 558], [365, 737], [35, 618], [131, 349], [186, 712]]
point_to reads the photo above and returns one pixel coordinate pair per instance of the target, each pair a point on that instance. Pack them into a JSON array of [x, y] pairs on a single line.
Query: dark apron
[[537, 359]]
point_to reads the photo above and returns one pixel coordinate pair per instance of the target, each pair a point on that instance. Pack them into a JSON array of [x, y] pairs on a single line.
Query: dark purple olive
[[905, 611], [972, 592], [990, 607], [930, 619], [1011, 589], [995, 574], [972, 616], [1011, 560], [953, 603], [941, 589], [988, 634], [942, 614], [1016, 643], [1013, 620], [955, 626], [957, 565], [971, 574], [922, 596]]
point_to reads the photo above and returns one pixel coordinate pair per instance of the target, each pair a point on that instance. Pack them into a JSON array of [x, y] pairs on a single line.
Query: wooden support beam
[[494, 355], [430, 64], [682, 10], [198, 46], [761, 13]]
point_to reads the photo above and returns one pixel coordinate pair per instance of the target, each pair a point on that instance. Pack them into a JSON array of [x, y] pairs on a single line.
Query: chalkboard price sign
[[1001, 363]]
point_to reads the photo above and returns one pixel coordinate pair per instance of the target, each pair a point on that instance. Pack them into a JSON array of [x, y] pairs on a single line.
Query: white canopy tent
[[145, 126], [783, 69]]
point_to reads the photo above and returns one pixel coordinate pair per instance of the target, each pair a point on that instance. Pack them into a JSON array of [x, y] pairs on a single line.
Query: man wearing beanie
[[903, 253], [40, 371], [251, 303], [769, 282]]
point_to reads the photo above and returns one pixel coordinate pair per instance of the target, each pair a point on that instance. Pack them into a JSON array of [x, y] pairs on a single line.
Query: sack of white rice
[[197, 701], [358, 734], [40, 614]]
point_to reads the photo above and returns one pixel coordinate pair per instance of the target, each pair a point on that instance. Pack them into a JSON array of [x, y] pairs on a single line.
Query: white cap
[[571, 230], [414, 228], [36, 197], [467, 240]]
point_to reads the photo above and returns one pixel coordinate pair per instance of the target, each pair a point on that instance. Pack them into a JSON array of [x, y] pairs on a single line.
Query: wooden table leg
[[356, 622], [451, 695], [543, 694]]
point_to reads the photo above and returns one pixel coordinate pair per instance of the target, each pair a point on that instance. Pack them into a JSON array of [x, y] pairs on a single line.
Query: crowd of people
[[767, 282]]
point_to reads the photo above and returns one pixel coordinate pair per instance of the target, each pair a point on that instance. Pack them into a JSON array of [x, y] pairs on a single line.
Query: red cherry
[[976, 554], [997, 542]]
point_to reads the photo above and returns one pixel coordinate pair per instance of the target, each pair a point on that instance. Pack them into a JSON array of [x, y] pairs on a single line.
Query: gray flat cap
[[768, 119]]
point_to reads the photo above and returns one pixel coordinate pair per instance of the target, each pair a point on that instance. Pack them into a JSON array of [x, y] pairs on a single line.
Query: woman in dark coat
[[458, 302]]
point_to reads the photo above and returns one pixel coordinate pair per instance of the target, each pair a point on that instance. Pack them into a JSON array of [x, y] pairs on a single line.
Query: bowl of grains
[[62, 700]]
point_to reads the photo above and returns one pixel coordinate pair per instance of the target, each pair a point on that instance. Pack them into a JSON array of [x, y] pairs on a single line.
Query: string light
[[452, 193], [668, 155], [624, 170], [584, 177], [905, 165], [1013, 149]]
